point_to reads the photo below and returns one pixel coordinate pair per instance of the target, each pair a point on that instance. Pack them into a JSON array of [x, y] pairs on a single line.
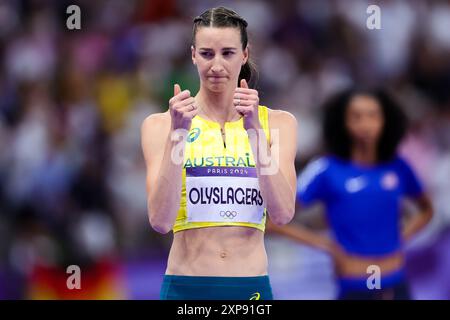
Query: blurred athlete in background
[[361, 182]]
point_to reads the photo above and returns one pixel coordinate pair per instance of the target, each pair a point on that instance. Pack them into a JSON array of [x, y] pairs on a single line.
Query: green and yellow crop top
[[219, 180]]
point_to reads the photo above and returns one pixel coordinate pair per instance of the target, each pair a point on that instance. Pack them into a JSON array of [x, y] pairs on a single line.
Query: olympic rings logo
[[228, 214]]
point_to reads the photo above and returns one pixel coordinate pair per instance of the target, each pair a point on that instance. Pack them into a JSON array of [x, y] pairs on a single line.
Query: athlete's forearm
[[278, 196], [164, 197], [421, 219], [304, 235], [415, 224]]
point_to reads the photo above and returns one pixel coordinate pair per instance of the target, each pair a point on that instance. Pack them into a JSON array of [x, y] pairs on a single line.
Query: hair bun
[[240, 20], [198, 19]]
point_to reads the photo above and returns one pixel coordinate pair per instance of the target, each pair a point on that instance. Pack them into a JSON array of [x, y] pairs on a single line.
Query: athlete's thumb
[[176, 89]]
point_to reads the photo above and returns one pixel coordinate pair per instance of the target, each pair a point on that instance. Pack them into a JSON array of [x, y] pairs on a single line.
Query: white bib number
[[223, 194]]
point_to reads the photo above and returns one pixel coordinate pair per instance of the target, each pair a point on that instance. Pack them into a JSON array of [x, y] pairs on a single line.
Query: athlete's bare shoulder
[[156, 121], [285, 124], [278, 118], [154, 131], [156, 124]]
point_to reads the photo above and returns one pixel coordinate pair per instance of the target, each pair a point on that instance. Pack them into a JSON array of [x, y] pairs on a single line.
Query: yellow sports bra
[[219, 181]]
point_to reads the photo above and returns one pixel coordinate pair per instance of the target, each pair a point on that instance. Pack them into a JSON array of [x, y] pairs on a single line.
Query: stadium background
[[72, 175]]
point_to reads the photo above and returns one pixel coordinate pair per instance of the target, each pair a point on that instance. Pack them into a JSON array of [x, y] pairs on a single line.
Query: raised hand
[[246, 101], [182, 108]]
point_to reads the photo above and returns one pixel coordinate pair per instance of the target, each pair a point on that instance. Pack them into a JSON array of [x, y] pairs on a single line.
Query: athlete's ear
[[193, 54], [246, 54]]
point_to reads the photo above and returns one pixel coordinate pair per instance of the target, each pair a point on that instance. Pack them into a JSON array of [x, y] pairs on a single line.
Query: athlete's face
[[364, 119], [219, 57]]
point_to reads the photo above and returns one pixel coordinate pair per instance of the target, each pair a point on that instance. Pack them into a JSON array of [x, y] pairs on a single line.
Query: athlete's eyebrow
[[223, 49]]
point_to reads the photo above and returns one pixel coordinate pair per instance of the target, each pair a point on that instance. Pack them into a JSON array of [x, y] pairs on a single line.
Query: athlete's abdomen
[[218, 251], [351, 265]]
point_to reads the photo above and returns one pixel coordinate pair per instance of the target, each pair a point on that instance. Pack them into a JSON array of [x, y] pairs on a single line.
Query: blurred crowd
[[72, 175]]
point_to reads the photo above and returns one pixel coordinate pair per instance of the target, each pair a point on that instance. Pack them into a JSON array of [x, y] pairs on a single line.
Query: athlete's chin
[[218, 87], [369, 141]]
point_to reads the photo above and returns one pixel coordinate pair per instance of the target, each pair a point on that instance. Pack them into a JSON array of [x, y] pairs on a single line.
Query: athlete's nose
[[217, 66]]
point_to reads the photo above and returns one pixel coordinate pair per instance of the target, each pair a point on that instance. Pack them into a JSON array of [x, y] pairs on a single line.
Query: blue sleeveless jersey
[[362, 203]]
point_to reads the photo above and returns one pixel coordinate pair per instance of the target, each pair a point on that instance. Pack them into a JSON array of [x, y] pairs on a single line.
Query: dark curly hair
[[337, 138]]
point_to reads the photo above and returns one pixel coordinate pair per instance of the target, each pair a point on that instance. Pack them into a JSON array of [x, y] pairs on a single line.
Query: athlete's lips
[[217, 78]]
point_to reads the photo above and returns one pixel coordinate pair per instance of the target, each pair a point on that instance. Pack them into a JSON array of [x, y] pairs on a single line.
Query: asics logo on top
[[193, 135]]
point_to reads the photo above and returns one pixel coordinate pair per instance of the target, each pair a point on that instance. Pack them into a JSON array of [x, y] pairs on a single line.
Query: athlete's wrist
[[254, 126], [178, 135]]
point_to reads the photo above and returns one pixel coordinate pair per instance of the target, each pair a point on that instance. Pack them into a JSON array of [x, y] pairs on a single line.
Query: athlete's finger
[[244, 84], [176, 89]]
